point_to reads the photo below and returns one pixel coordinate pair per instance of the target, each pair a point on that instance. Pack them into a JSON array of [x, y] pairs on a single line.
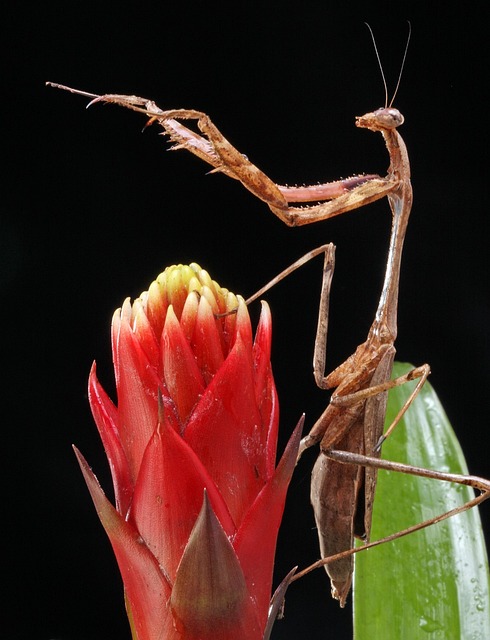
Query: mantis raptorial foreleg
[[213, 148]]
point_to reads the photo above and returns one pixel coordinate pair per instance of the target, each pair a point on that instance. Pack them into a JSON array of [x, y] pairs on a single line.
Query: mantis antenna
[[381, 66]]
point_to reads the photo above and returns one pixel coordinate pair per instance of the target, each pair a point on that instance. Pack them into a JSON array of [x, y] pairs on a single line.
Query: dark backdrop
[[92, 211]]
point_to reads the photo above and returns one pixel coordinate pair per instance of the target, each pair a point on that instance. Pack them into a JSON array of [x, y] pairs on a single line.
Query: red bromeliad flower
[[192, 448]]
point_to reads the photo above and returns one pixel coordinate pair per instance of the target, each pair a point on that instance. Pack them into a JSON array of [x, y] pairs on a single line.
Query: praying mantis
[[350, 428]]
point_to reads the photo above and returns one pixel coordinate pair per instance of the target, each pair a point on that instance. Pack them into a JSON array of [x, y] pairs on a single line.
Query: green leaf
[[433, 584]]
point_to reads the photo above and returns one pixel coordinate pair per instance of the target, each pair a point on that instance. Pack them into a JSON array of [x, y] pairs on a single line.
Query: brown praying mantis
[[350, 428]]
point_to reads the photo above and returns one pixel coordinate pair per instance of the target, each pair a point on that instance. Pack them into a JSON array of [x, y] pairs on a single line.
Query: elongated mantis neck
[[385, 322]]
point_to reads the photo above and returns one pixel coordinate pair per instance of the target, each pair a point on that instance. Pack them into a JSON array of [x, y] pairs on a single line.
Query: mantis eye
[[389, 118]]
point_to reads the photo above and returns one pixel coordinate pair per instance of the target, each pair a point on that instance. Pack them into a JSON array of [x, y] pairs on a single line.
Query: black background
[[92, 211]]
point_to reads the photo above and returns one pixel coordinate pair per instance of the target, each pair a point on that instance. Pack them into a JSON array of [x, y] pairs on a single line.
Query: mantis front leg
[[333, 198], [341, 195]]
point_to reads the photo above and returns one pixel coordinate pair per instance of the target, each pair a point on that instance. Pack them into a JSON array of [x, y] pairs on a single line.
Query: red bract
[[192, 447]]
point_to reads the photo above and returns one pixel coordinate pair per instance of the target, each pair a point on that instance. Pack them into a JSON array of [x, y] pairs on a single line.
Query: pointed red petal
[[105, 416], [182, 376], [168, 497], [137, 394], [255, 542], [189, 315], [243, 326], [147, 589], [209, 599], [262, 350], [225, 431], [206, 341], [115, 333], [156, 308], [265, 388], [176, 290], [145, 335], [228, 322]]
